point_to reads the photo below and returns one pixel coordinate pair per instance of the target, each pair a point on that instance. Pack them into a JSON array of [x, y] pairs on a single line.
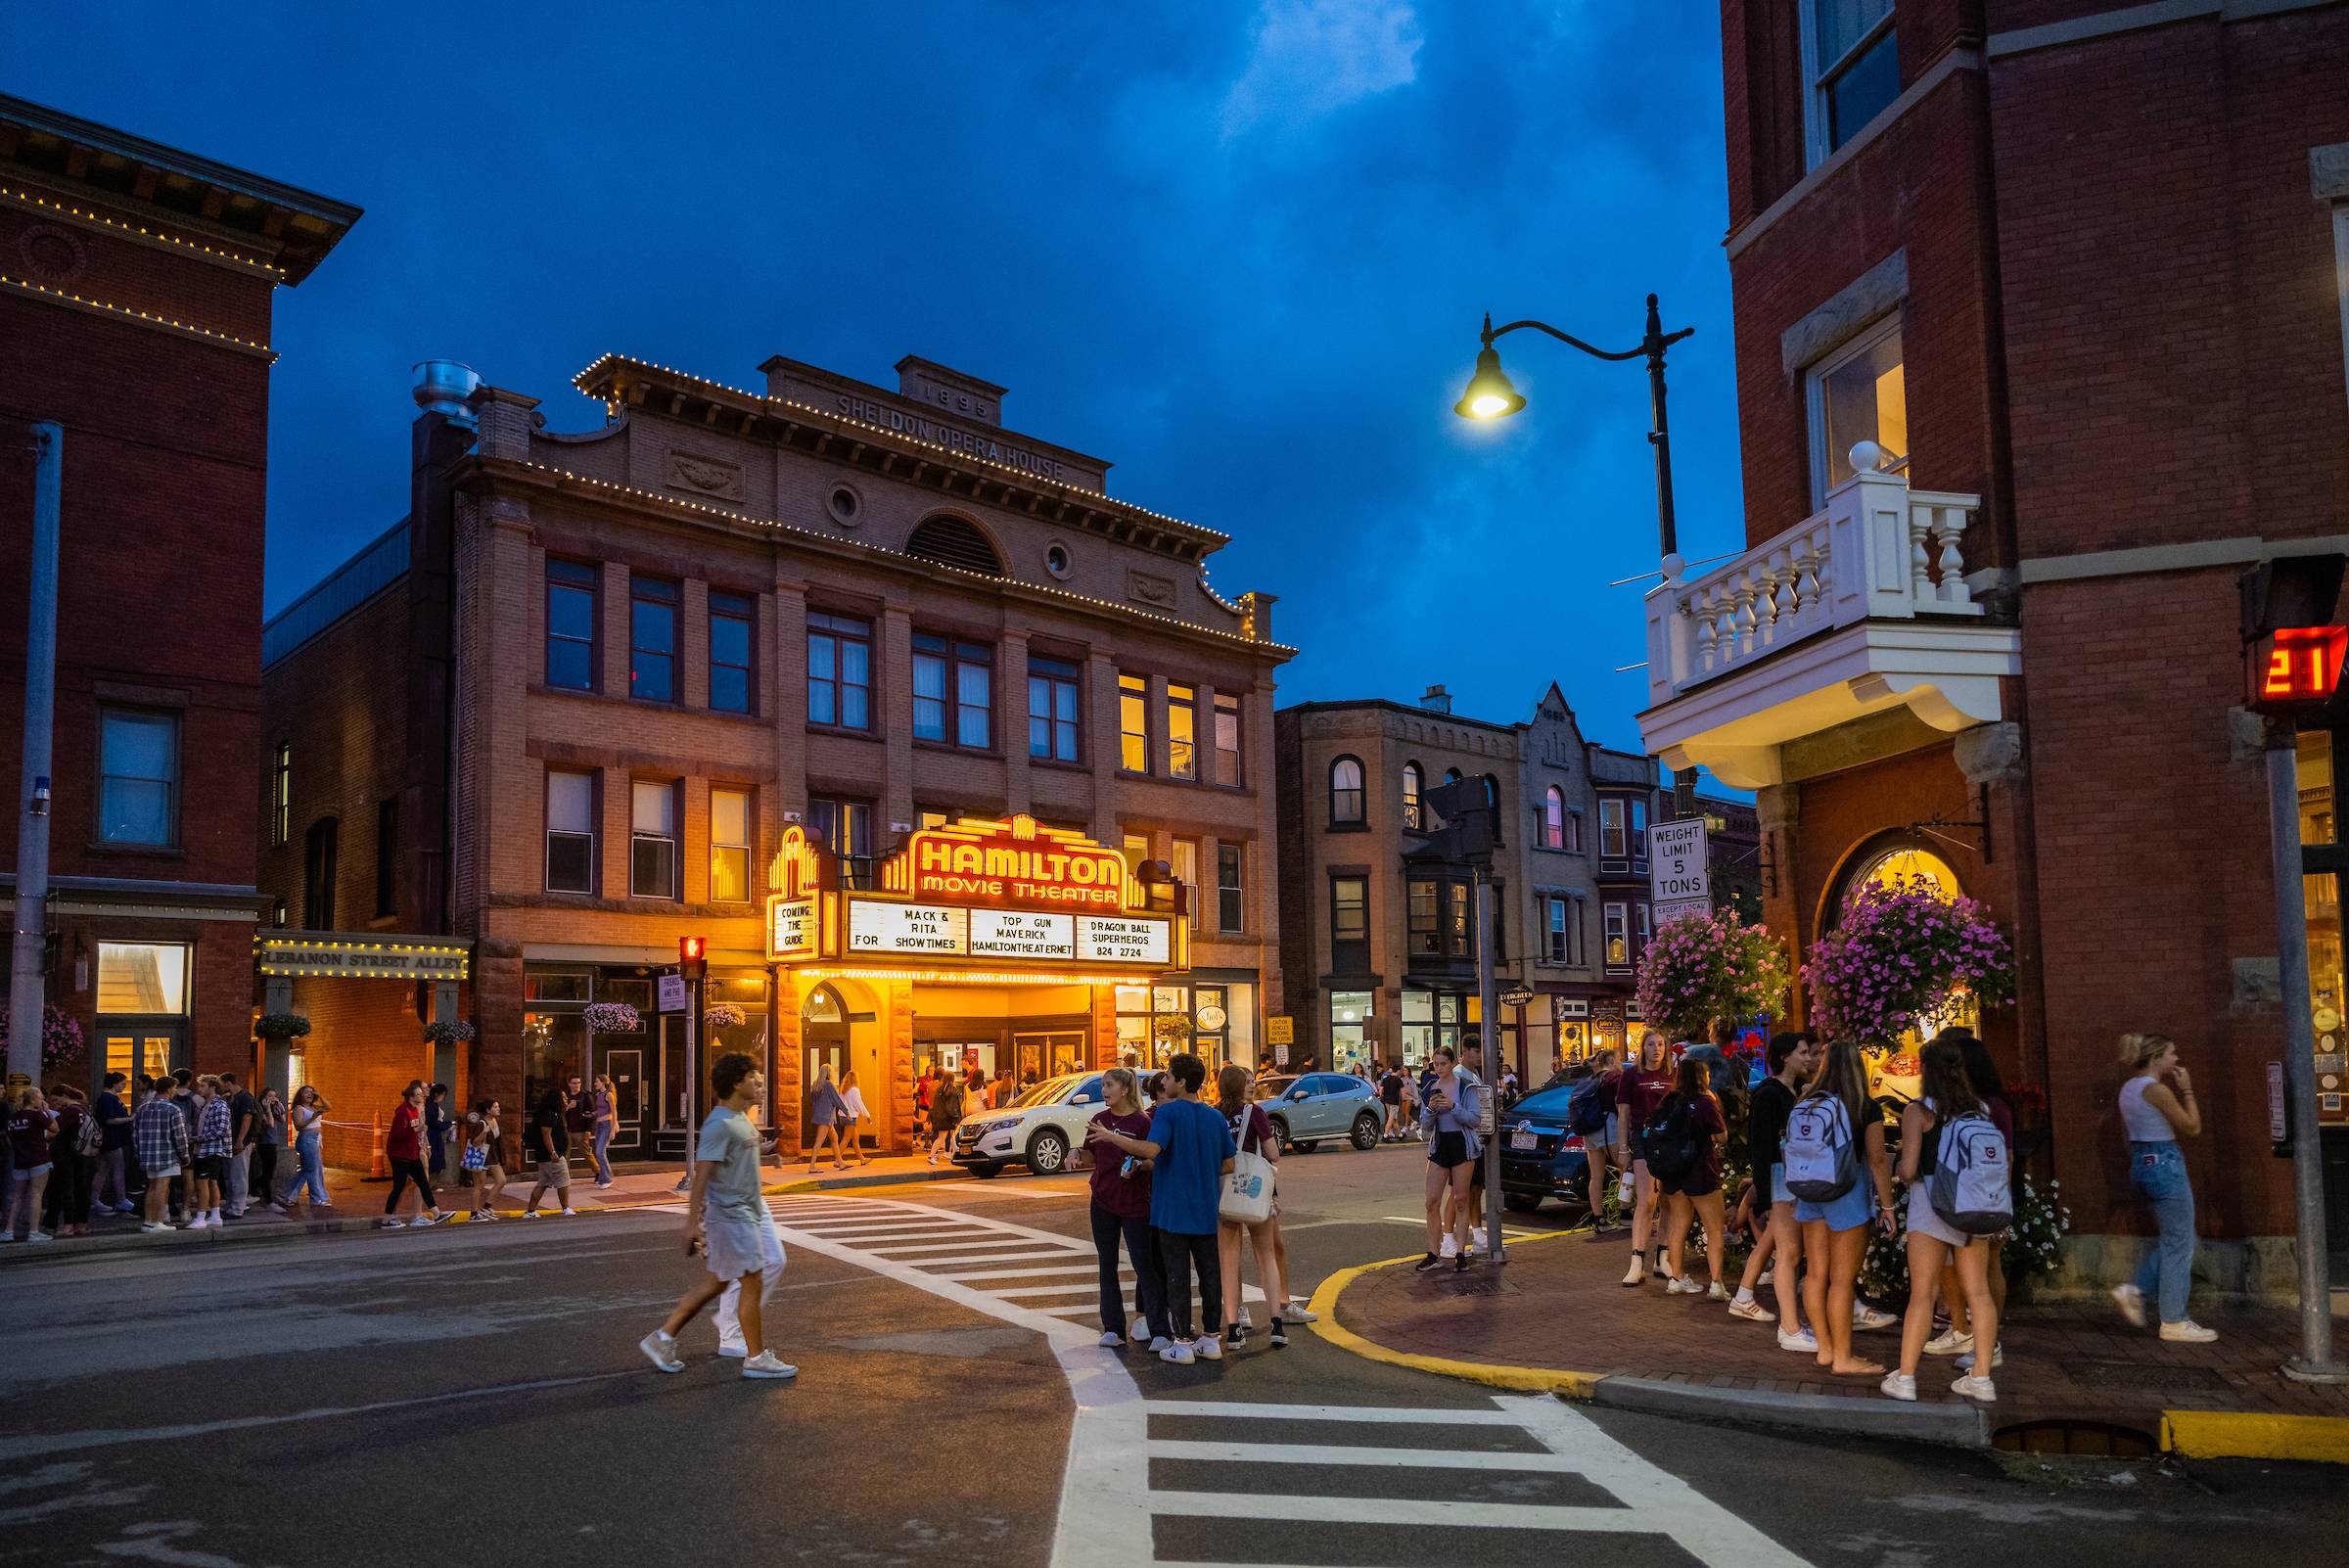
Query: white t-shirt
[[853, 1100]]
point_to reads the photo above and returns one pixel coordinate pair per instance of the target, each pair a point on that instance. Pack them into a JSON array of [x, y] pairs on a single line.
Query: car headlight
[[1002, 1124]]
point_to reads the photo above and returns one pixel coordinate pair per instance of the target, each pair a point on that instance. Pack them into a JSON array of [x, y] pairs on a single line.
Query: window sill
[[952, 750], [1349, 827], [1057, 766], [725, 715], [843, 732], [143, 851]]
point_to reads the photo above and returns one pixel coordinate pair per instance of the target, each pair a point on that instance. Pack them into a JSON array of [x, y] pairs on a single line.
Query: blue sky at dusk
[[1238, 250]]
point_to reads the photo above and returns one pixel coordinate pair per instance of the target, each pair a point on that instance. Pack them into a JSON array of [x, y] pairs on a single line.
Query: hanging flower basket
[[1904, 958], [724, 1015], [1701, 966], [612, 1018], [449, 1032], [281, 1026], [61, 1035], [1171, 1029]]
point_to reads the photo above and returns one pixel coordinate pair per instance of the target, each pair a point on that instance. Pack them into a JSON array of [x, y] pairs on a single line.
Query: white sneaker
[[1451, 1247], [1685, 1285], [1209, 1347], [1159, 1346], [2132, 1302], [766, 1363], [1112, 1341], [662, 1351], [387, 1223], [1300, 1314], [1767, 1276], [1179, 1353], [43, 1235], [8, 1238], [568, 1211], [1899, 1386], [1752, 1311], [1244, 1320], [734, 1346], [1476, 1239], [199, 1223], [2186, 1332], [423, 1221], [1798, 1339], [1139, 1330], [1975, 1387], [1866, 1316], [1949, 1342], [1998, 1358], [149, 1226]]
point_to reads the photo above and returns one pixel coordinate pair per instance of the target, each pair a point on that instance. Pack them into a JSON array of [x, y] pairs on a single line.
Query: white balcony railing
[[1879, 550]]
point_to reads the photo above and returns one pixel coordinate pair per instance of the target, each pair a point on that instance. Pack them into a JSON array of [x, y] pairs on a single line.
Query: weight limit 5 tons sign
[[1678, 874]]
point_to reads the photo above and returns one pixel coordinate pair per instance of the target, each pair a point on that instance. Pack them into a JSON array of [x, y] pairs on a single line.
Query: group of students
[[1823, 1167], [941, 1098]]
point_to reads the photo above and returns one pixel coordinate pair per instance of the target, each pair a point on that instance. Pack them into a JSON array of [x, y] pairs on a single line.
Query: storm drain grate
[[2082, 1439]]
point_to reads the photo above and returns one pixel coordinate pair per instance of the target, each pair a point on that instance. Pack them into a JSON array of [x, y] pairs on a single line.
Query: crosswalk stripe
[[1379, 1414], [1307, 1509], [967, 1277], [1484, 1461]]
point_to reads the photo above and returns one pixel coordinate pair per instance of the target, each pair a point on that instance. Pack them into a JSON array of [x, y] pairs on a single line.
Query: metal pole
[[1490, 1118], [693, 1076], [2314, 1363], [1660, 437], [27, 965]]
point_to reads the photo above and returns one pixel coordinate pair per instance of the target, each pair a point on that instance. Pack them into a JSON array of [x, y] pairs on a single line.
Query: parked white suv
[[1041, 1130]]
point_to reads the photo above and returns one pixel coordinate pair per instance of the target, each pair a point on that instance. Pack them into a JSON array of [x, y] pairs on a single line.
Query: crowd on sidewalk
[[1828, 1166]]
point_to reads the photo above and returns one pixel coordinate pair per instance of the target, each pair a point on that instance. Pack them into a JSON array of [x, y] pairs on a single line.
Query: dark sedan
[[1541, 1157]]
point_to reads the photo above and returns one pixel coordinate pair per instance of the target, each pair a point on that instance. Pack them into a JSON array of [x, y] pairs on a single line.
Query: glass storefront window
[[142, 977], [1348, 1029], [555, 986]]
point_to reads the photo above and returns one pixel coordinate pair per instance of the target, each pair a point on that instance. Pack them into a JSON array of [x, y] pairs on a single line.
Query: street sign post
[[1678, 870]]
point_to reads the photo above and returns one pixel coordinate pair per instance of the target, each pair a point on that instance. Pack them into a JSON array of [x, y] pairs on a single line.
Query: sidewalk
[[356, 1203], [1557, 1317]]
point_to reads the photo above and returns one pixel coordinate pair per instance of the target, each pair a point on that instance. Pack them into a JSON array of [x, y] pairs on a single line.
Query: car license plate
[[1524, 1138]]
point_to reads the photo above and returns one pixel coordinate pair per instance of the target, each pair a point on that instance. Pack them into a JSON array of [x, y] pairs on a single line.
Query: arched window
[[1414, 816], [1346, 790], [1553, 818]]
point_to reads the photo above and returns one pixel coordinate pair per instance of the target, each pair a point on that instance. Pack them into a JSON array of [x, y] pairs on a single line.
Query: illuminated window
[[653, 639], [1183, 862], [1908, 865], [1858, 394], [138, 786], [846, 829], [1133, 723], [1424, 917], [1613, 841], [840, 670], [1227, 740], [732, 618], [570, 832], [281, 793], [1553, 818], [1414, 815], [571, 589], [142, 977], [730, 845], [1853, 67], [1349, 925], [653, 840], [1052, 709], [1618, 935], [1182, 732], [1346, 790]]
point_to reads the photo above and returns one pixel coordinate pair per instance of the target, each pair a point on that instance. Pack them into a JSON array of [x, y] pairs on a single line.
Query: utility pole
[[28, 953]]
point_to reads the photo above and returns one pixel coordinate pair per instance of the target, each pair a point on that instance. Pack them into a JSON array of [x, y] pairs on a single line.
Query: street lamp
[[1490, 396]]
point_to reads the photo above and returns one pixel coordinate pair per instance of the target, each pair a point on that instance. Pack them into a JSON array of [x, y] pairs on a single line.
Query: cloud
[[1312, 57]]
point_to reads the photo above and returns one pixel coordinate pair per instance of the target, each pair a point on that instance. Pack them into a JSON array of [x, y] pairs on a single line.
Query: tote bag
[[1248, 1186]]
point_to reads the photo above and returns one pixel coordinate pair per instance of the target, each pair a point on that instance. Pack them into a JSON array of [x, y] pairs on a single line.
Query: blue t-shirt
[[1186, 1178]]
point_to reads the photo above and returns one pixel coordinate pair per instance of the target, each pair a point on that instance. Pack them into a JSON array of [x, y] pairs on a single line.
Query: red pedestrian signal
[[693, 952], [2296, 666]]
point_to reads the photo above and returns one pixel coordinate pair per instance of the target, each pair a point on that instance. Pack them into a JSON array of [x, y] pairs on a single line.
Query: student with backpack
[[1991, 1089], [1590, 1115], [1840, 1178], [1954, 1159], [1683, 1158], [1779, 1246], [1643, 1087]]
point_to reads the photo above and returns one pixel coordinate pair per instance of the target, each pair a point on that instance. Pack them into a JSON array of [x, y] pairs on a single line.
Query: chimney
[[1436, 700], [1255, 616]]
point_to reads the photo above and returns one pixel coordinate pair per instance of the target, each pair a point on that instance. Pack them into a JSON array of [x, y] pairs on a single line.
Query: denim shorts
[[1778, 1185], [1847, 1212]]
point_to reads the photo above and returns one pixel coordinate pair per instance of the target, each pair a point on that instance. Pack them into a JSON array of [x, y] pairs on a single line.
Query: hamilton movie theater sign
[[989, 891]]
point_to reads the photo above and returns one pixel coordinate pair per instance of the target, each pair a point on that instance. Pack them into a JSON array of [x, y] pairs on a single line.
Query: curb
[[887, 1178], [1951, 1425], [1520, 1379], [2245, 1435]]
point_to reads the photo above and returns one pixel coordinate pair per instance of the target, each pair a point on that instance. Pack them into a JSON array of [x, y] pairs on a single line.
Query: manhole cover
[[2140, 1375], [1477, 1282], [2098, 1439]]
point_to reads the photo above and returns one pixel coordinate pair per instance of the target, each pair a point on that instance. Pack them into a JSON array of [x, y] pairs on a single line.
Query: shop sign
[[1517, 995], [791, 927], [880, 926], [361, 960], [1212, 1018], [1280, 1028], [1016, 864]]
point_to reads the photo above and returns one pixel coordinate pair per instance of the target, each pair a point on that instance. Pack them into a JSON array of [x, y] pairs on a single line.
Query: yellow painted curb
[[2245, 1435], [1494, 1374]]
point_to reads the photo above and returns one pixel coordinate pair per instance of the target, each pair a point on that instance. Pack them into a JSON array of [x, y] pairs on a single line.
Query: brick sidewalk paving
[[1560, 1305]]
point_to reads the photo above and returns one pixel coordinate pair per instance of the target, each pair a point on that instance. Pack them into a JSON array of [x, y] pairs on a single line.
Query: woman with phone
[[2157, 1108]]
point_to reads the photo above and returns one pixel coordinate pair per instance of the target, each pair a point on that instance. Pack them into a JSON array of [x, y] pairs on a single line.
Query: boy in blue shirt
[[1190, 1147]]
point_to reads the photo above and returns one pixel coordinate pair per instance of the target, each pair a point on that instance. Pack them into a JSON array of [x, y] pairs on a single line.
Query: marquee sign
[[996, 894], [320, 953]]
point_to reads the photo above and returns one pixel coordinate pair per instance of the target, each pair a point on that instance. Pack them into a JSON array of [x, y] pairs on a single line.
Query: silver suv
[[1307, 1108]]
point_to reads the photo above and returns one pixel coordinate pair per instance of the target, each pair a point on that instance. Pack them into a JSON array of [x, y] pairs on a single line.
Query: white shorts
[[1925, 1220], [739, 1247]]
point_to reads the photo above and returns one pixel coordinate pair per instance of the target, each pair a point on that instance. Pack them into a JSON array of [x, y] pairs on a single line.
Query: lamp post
[[1490, 396]]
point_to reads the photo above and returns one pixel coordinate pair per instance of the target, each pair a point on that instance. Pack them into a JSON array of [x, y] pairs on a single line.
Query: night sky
[[1238, 250]]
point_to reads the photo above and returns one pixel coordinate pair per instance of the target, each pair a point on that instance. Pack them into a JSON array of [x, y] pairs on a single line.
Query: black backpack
[[1670, 1141], [1584, 1113]]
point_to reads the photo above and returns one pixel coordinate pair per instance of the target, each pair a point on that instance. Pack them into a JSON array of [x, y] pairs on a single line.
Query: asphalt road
[[474, 1394]]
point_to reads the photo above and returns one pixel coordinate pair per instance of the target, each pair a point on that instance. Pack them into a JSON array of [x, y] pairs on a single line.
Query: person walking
[[215, 1138], [305, 1172], [1592, 1112], [550, 1146], [1684, 1153], [403, 1149], [2157, 1108], [1449, 1112], [165, 1151], [72, 1156], [30, 1122], [826, 1110], [1991, 1089], [1948, 1097], [1389, 1094], [603, 1121], [1121, 1212], [480, 1161], [269, 1138], [1767, 1205], [1190, 1147], [855, 1114], [728, 1223], [437, 1124], [1641, 1089], [1251, 1129], [946, 1114], [1835, 1228], [243, 1116], [113, 1144]]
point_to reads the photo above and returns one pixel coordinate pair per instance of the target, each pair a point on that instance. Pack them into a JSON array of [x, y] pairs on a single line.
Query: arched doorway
[[1893, 860], [824, 1043]]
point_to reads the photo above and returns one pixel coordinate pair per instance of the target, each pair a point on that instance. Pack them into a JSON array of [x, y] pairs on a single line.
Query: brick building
[[1378, 935], [137, 284], [735, 665], [2040, 342]]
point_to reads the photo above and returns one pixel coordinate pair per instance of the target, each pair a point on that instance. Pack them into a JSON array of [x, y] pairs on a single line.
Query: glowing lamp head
[[1489, 395]]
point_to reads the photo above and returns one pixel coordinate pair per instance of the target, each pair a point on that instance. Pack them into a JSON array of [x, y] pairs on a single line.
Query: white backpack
[[1822, 1158], [1972, 1187]]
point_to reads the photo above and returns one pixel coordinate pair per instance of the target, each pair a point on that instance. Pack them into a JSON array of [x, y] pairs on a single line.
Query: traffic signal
[[2293, 646], [693, 956], [1471, 829]]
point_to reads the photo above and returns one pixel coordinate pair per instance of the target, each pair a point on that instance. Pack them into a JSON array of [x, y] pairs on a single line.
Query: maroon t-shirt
[[1127, 1196], [400, 1143], [1636, 1097], [28, 1137]]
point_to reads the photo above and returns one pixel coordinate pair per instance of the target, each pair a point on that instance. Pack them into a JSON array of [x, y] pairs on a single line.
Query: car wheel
[[982, 1171], [1047, 1153], [1306, 1147], [1522, 1202], [1280, 1134], [1366, 1132]]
